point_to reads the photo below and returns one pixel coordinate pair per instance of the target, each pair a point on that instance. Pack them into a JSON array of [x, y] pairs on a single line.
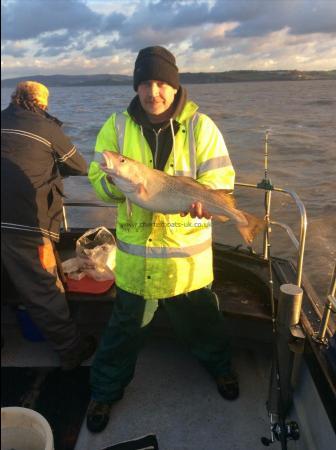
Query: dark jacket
[[35, 154]]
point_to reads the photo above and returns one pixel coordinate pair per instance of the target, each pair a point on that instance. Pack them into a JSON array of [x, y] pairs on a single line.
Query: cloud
[[203, 34], [148, 36], [22, 19], [58, 39], [100, 51], [15, 49], [276, 50], [29, 19], [213, 36], [113, 22], [315, 17], [169, 21], [260, 17], [55, 44], [170, 14]]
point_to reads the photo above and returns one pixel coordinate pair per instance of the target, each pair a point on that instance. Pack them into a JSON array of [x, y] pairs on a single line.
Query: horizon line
[[181, 73]]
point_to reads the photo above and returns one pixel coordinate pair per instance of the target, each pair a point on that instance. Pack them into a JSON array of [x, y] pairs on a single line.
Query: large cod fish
[[159, 192]]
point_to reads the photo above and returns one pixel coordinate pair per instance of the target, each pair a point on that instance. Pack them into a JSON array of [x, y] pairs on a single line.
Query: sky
[[77, 37]]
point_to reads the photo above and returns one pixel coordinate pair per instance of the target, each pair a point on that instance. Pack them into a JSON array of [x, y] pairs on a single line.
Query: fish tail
[[253, 227]]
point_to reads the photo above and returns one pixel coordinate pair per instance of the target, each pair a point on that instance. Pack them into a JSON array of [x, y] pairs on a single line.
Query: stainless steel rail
[[82, 204], [299, 244], [330, 306]]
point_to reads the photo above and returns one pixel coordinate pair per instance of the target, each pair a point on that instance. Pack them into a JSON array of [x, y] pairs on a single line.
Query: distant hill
[[72, 80], [257, 75], [186, 78]]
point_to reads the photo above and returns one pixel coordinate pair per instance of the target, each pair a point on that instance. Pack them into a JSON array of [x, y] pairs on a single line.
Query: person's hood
[[17, 109]]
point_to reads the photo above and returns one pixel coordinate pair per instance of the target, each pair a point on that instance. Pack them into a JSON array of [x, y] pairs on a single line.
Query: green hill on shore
[[232, 76]]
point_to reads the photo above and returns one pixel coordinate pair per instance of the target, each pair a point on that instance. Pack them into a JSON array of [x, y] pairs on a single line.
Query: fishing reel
[[290, 432]]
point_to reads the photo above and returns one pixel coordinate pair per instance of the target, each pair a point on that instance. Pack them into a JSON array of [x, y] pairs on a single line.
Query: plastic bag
[[95, 252], [95, 255], [72, 269]]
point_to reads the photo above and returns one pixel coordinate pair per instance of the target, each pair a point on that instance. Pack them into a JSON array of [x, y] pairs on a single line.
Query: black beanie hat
[[155, 63]]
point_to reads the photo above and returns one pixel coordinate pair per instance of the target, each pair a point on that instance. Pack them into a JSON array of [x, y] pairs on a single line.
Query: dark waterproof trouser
[[31, 265], [196, 319]]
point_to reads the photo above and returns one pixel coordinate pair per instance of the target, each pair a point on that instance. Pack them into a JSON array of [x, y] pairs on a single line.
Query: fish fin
[[129, 207], [220, 218], [253, 227], [142, 191]]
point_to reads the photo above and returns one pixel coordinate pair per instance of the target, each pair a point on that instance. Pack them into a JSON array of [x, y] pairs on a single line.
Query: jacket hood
[[16, 109]]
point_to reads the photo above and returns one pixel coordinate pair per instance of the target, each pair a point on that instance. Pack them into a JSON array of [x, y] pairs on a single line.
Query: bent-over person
[[35, 155]]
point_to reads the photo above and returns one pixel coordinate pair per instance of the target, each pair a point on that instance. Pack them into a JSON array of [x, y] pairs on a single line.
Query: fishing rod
[[279, 429]]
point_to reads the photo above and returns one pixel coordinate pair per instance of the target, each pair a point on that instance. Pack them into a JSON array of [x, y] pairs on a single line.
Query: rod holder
[[287, 339], [289, 306]]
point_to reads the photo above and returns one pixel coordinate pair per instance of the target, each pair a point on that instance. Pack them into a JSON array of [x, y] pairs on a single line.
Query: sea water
[[301, 119]]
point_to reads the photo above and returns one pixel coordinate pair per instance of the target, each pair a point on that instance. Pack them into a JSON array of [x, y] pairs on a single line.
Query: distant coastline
[[232, 76]]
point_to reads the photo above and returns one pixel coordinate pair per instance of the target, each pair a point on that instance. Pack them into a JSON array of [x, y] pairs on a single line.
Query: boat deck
[[170, 396], [173, 397]]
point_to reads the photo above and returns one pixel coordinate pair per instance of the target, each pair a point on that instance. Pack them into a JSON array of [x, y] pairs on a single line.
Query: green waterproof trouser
[[196, 320]]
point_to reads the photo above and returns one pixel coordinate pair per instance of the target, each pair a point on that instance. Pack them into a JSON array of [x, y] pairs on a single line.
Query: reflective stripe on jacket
[[164, 255]]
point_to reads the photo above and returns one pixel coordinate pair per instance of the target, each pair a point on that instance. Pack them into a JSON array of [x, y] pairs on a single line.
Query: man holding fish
[[167, 167]]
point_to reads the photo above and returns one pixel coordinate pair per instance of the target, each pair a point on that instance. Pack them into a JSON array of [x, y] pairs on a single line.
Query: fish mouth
[[108, 161]]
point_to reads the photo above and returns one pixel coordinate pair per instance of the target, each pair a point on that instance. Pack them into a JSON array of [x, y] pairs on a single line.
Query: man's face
[[155, 96]]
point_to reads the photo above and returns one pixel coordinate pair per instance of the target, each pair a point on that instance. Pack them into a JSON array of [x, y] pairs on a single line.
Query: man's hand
[[196, 210]]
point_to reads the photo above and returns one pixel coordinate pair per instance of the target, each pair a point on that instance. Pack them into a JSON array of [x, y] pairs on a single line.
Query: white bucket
[[24, 429]]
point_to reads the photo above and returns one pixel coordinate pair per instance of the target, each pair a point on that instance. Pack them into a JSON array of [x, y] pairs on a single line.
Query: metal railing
[[96, 204], [329, 307], [299, 244]]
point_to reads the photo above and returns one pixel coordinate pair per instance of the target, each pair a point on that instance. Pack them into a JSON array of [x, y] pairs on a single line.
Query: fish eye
[[122, 159]]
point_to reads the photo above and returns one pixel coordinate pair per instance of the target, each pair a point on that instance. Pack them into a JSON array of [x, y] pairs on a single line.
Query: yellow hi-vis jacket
[[164, 255]]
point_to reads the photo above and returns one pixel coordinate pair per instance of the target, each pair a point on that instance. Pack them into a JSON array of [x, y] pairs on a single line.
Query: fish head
[[125, 172]]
